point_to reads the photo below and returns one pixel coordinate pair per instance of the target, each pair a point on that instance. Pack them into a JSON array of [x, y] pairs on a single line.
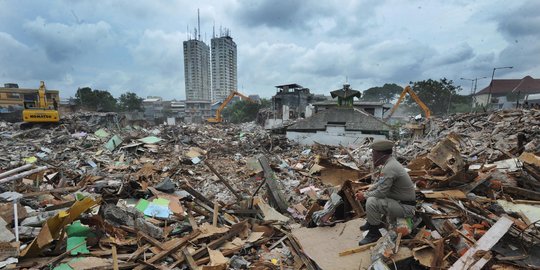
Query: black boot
[[372, 236], [368, 226]]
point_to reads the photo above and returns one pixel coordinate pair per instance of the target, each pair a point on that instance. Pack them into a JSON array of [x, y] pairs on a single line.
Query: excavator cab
[[38, 111]]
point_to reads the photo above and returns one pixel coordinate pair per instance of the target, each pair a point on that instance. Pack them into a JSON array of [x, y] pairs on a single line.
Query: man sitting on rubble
[[392, 193]]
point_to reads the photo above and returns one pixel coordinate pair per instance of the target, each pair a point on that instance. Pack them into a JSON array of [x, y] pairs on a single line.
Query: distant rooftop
[[291, 85], [152, 100], [525, 85], [354, 120]]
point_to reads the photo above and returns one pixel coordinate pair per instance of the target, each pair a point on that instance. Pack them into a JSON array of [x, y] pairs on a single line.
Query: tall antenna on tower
[[199, 24], [214, 30]]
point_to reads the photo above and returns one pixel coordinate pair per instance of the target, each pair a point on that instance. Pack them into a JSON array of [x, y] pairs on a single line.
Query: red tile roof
[[505, 86]]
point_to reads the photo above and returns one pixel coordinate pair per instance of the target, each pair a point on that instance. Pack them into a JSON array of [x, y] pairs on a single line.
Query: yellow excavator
[[418, 129], [218, 118], [39, 112]]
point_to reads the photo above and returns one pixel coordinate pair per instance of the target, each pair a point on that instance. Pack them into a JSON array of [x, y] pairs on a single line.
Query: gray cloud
[[166, 58], [283, 14], [521, 28], [122, 45], [521, 22], [458, 54], [24, 63], [62, 42]]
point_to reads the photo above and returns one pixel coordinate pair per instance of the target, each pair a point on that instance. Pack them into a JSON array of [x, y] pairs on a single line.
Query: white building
[[153, 107], [499, 90], [197, 70], [224, 68]]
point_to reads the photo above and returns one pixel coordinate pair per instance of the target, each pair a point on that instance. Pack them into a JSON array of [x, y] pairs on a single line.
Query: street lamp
[[491, 84]]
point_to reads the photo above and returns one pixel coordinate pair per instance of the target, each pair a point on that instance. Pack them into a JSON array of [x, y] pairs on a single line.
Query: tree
[[441, 96], [97, 100], [244, 111], [385, 93], [130, 102]]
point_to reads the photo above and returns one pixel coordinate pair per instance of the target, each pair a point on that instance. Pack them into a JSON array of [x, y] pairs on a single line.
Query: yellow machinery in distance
[[39, 112], [218, 118], [418, 128], [415, 97]]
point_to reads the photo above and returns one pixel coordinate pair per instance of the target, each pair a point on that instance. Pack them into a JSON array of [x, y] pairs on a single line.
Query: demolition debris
[[96, 192]]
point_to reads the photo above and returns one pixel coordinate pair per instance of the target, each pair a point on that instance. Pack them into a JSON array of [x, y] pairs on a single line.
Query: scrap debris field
[[95, 192]]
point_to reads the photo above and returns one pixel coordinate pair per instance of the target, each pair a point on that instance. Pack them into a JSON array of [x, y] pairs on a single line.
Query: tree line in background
[[244, 111], [103, 101]]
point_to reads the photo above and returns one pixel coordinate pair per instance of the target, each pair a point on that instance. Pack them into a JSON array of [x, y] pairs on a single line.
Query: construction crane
[[415, 97], [218, 118], [39, 112]]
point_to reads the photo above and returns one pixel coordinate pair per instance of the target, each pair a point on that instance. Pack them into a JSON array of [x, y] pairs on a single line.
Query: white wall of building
[[197, 70], [481, 100], [224, 67], [334, 136]]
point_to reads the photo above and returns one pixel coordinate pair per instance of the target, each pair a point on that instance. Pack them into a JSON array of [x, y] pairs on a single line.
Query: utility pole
[[474, 84], [491, 84]]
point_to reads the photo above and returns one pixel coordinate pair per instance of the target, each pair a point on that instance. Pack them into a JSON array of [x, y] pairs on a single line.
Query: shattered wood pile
[[479, 181], [95, 193]]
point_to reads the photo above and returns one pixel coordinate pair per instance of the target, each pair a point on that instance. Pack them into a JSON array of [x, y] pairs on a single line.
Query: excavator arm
[[218, 118], [415, 97]]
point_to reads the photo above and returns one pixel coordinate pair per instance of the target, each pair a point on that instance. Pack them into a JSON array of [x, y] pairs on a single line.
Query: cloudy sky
[[126, 45]]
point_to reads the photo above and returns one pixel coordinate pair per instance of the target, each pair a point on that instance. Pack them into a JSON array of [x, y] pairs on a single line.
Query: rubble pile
[[97, 192], [484, 136], [153, 194]]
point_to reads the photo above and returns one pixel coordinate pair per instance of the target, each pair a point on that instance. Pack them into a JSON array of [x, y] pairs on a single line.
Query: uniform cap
[[382, 145]]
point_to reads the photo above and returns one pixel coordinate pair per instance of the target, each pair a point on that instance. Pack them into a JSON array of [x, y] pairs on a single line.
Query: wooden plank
[[310, 265], [138, 252], [486, 242], [482, 261], [357, 207], [199, 253], [356, 249], [56, 190], [179, 244], [191, 219], [189, 189], [224, 181], [150, 239], [189, 259], [215, 216], [273, 189], [157, 243], [528, 194], [115, 258], [439, 254], [453, 193]]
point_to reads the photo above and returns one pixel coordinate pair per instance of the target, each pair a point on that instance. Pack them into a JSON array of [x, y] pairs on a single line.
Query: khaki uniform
[[393, 187]]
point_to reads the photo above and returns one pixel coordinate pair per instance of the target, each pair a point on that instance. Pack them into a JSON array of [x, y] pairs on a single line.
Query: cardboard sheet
[[341, 237]]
